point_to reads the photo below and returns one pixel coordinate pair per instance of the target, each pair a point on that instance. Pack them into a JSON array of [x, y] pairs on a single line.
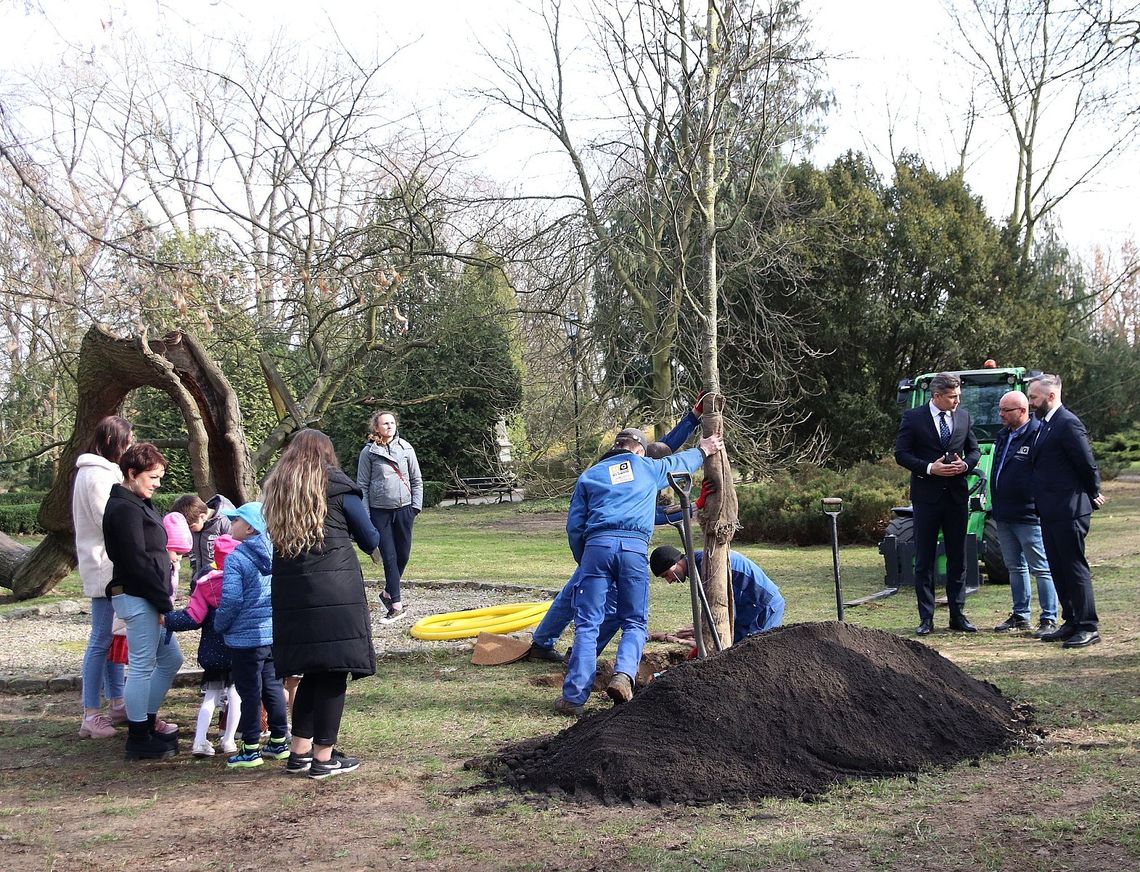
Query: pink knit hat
[[178, 538], [223, 545]]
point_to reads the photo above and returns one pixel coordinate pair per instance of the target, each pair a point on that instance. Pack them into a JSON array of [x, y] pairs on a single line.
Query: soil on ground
[[787, 713]]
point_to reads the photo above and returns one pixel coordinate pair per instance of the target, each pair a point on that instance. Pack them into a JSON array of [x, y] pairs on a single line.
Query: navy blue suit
[[940, 502], [1065, 482]]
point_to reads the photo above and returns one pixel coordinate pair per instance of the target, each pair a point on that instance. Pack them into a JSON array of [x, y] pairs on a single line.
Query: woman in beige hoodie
[[98, 471]]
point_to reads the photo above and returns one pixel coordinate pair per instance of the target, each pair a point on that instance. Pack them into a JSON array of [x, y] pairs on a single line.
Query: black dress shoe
[[961, 624], [1061, 634], [925, 628], [1082, 639]]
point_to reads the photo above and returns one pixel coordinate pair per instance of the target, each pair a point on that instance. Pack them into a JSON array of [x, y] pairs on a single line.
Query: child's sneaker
[[248, 757], [276, 748], [96, 726], [337, 764], [228, 746], [203, 749], [163, 728], [299, 763], [118, 714]]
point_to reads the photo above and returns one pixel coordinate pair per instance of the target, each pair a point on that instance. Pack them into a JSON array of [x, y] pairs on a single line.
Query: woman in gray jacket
[[389, 475]]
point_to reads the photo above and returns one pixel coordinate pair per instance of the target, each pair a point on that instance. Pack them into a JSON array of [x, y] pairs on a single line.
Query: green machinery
[[982, 389]]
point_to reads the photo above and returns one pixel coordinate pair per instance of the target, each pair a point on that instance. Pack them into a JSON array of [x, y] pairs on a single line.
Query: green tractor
[[981, 391]]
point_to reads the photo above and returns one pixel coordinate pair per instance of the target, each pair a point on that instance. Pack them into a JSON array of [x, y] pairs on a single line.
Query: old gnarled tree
[[110, 368]]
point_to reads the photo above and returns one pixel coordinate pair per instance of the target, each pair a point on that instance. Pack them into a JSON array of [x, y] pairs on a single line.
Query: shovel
[[681, 483]]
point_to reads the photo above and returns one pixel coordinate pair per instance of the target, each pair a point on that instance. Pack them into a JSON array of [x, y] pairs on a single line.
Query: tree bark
[[109, 368]]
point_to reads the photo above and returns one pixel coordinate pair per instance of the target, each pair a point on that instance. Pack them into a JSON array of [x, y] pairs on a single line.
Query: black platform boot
[[141, 745]]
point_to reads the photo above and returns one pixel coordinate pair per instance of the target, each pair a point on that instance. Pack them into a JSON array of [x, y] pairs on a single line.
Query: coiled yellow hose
[[468, 624]]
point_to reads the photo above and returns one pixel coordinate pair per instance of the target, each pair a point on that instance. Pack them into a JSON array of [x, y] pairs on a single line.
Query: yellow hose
[[468, 624]]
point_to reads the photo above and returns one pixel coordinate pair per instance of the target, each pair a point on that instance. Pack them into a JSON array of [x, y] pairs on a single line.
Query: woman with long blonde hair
[[322, 628]]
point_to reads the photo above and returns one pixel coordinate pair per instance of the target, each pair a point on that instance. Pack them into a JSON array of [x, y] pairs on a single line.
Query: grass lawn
[[1072, 803]]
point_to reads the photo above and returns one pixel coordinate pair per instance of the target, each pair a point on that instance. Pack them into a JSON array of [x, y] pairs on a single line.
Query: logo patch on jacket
[[1024, 449], [620, 473]]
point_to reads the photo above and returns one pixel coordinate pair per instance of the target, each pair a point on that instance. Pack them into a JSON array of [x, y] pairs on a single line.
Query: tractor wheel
[[902, 529], [996, 570]]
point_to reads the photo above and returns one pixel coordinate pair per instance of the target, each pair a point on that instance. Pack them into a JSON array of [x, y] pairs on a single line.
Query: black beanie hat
[[662, 558]]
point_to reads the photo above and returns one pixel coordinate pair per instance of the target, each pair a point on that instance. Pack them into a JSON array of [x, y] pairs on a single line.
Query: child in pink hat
[[213, 656], [179, 541]]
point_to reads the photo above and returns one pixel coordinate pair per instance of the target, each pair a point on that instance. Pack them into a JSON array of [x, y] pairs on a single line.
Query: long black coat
[[321, 621]]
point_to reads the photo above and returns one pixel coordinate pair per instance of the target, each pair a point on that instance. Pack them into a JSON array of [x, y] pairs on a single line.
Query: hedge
[[16, 520], [22, 498], [787, 508], [433, 493]]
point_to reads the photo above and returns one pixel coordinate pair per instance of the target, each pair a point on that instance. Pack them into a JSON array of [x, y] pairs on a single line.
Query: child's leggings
[[214, 691]]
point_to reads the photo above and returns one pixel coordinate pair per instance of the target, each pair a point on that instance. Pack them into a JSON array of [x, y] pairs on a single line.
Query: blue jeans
[[612, 568], [1023, 550], [98, 673], [153, 656], [561, 613]]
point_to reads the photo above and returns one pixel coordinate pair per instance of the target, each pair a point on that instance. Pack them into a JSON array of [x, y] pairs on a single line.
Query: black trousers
[[1065, 550], [257, 684], [318, 706], [949, 516], [395, 528]]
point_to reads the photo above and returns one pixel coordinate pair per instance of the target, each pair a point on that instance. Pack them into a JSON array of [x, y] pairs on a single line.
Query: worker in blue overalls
[[608, 527], [561, 611], [759, 603]]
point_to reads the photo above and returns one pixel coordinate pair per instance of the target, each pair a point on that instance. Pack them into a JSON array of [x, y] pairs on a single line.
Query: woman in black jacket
[[140, 594], [322, 628]]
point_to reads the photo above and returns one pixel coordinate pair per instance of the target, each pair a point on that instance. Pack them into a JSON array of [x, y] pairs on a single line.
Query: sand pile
[[788, 713]]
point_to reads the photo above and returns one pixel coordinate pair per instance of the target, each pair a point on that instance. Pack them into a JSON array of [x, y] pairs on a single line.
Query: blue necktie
[[943, 430]]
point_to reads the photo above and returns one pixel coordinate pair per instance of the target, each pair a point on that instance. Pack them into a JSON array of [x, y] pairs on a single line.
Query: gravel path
[[47, 645]]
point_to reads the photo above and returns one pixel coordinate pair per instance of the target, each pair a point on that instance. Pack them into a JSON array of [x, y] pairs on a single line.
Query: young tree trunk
[[109, 368], [718, 518]]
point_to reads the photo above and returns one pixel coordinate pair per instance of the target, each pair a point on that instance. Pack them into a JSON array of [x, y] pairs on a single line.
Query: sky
[[889, 59]]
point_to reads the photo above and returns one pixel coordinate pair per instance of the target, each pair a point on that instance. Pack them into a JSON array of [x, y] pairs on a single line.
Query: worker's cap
[[250, 513], [633, 434], [663, 558], [657, 450]]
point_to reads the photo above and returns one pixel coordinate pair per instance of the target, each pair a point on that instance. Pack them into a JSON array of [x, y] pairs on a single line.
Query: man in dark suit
[[936, 444], [1066, 488]]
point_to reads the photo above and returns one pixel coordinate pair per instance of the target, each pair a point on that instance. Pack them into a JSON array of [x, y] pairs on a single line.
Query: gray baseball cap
[[634, 434]]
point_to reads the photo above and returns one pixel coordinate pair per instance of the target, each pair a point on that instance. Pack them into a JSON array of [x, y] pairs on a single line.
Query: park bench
[[468, 486]]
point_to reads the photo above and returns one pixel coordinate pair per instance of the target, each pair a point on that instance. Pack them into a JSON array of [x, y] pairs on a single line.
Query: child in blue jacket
[[245, 620]]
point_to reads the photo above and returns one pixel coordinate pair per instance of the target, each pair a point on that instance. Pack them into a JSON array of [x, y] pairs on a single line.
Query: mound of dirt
[[788, 713]]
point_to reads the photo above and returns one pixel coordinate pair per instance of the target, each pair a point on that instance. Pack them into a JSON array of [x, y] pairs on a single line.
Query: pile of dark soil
[[788, 713]]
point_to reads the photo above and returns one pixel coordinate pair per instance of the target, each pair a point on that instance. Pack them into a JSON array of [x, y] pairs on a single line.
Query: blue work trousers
[[617, 567], [561, 614]]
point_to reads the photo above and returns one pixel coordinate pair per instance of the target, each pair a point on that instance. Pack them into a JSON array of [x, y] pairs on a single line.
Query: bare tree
[[1059, 73]]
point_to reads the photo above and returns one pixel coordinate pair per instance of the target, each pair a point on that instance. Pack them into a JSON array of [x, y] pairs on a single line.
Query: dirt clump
[[787, 713]]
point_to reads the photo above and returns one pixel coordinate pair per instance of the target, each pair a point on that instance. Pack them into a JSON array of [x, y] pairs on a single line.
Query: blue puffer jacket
[[245, 616], [617, 495]]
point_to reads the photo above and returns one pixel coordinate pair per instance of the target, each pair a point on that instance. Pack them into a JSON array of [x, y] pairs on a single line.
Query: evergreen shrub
[[787, 508]]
